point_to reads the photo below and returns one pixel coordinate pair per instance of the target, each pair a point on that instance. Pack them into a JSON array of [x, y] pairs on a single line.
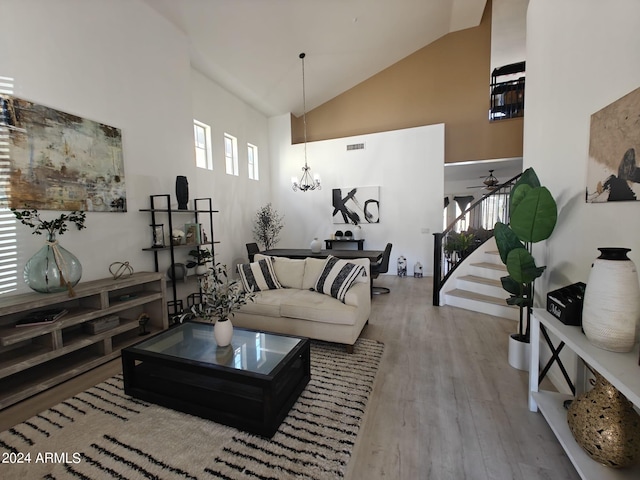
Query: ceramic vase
[[223, 332], [612, 301], [182, 192], [201, 269], [316, 245], [180, 272], [605, 425], [52, 269], [357, 232]]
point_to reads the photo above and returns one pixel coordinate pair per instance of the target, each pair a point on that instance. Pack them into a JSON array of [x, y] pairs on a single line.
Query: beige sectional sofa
[[297, 309]]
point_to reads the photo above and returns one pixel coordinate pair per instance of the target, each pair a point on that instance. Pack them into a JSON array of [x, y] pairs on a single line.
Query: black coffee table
[[250, 385]]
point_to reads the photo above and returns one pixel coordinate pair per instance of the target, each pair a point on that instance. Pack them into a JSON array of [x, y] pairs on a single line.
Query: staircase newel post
[[437, 268]]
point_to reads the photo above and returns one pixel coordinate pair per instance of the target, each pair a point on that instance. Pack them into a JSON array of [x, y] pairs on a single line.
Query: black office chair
[[252, 249], [381, 267]]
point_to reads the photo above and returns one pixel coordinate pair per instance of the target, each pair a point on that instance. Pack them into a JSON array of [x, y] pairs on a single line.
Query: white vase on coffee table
[[223, 332]]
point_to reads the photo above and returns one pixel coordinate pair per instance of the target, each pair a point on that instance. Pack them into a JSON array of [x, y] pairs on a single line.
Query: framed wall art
[[59, 161], [356, 205], [614, 143]]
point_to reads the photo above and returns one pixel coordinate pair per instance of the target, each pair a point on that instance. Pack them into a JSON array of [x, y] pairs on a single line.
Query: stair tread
[[483, 280], [492, 266], [457, 292]]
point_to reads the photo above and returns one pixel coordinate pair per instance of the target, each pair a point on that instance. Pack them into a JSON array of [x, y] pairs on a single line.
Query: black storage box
[[566, 303]]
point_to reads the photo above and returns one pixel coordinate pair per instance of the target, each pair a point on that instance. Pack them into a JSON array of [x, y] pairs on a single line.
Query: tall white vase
[[611, 308], [223, 332]]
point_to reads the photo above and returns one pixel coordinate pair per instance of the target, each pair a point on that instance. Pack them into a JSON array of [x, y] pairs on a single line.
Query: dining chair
[[381, 267], [252, 249]]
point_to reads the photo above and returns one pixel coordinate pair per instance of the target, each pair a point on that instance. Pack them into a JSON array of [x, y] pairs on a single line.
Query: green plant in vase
[[533, 216], [220, 298], [52, 268], [201, 257]]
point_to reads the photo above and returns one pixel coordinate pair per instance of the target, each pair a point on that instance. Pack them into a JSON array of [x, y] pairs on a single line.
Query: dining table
[[374, 256]]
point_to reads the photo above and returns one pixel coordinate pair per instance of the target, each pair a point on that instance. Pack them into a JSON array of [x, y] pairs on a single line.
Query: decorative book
[[42, 317]]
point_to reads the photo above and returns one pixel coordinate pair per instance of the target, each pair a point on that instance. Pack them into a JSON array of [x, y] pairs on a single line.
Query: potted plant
[[52, 268], [267, 226], [458, 243], [533, 216], [220, 297], [201, 258]]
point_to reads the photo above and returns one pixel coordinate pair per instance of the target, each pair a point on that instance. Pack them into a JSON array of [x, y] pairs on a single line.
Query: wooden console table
[[621, 369], [35, 358], [329, 242]]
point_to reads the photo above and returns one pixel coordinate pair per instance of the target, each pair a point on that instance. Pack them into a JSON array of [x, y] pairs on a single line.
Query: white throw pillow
[[337, 277], [258, 275]]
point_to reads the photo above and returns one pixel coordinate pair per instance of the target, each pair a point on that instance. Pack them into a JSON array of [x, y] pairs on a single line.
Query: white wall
[[408, 165], [120, 63], [581, 56], [237, 197]]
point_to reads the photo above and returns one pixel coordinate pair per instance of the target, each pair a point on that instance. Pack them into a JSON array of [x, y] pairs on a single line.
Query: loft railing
[[471, 229]]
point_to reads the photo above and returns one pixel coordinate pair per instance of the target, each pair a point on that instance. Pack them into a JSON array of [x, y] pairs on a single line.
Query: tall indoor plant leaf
[[533, 216]]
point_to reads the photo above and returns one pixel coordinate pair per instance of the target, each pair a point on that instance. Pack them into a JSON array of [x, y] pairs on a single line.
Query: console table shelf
[[621, 369], [35, 358]]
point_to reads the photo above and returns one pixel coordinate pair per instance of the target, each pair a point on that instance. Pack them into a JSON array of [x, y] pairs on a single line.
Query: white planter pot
[[612, 301], [519, 353], [201, 269], [223, 332]]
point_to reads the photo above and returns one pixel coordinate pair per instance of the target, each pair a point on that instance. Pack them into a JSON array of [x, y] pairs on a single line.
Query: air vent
[[355, 146]]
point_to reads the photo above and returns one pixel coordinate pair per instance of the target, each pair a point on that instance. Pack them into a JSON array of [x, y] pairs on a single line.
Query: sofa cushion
[[312, 270], [315, 307], [267, 302], [258, 276], [337, 276], [289, 271]]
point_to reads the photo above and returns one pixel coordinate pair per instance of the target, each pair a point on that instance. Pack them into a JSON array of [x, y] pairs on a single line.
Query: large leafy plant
[[533, 216]]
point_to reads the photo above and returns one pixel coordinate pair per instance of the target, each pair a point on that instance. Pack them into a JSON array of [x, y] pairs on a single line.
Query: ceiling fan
[[489, 183]]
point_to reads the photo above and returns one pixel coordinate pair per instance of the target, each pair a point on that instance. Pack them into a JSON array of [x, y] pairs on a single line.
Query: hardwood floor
[[446, 404]]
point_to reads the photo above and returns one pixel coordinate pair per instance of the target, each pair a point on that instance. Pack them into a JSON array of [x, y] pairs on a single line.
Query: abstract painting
[[356, 205], [614, 144], [59, 161]]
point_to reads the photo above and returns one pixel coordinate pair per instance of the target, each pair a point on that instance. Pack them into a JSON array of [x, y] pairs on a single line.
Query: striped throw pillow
[[258, 276], [337, 277]]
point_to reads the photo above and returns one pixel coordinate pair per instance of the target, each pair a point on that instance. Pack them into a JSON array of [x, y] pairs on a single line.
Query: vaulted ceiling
[[251, 47]]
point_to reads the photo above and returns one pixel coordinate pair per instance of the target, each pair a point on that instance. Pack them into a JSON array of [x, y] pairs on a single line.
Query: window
[[231, 154], [252, 156], [8, 222], [494, 209], [463, 223], [202, 135]]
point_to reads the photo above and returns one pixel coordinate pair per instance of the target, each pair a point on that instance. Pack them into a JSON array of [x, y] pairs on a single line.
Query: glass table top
[[251, 351]]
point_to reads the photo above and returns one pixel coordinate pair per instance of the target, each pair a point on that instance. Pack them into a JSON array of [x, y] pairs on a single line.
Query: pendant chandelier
[[306, 182]]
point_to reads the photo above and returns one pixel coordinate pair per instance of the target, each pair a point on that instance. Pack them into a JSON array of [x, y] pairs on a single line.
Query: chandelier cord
[[306, 182], [304, 110]]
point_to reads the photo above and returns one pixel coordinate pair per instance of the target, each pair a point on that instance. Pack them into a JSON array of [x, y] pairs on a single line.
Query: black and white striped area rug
[[102, 433]]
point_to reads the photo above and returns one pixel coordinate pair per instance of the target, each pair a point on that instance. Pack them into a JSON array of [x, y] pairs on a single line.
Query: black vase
[[182, 192]]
